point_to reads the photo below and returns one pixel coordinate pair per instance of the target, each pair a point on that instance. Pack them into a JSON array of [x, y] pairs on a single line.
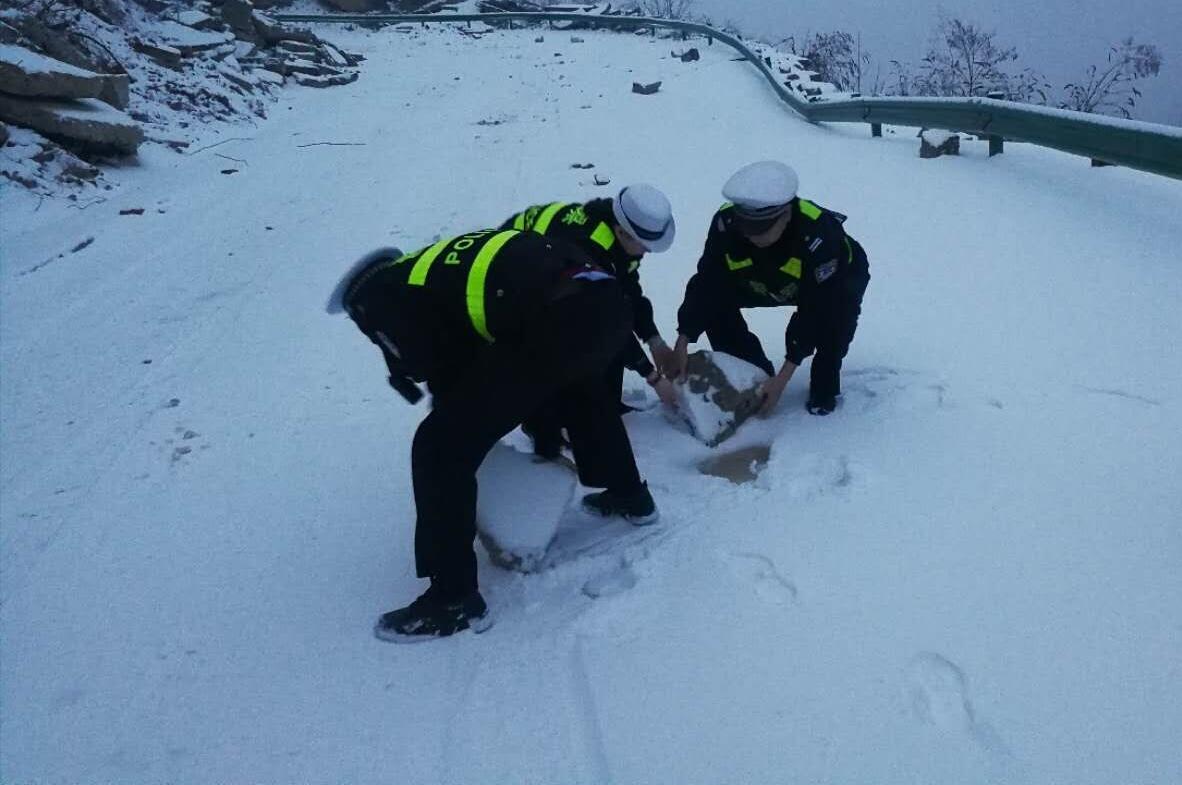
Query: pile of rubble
[[86, 81]]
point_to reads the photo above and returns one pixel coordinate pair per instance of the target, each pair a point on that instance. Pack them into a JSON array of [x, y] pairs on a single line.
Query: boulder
[[272, 32], [24, 72], [116, 90], [933, 143], [85, 122], [719, 394], [327, 80], [163, 54]]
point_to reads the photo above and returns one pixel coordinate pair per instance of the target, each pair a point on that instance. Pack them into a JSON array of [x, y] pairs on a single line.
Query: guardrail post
[[876, 129], [996, 145]]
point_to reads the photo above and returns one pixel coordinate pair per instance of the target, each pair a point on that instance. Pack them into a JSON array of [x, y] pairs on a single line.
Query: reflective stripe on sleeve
[[604, 236]]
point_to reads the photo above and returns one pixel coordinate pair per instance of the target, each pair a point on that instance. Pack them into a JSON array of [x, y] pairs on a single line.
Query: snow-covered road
[[971, 573]]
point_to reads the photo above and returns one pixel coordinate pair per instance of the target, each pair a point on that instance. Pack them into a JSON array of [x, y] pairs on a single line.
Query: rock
[[330, 80], [73, 166], [116, 90], [308, 68], [239, 17], [238, 78], [222, 52], [719, 394], [3, 134], [27, 73], [167, 56], [272, 32], [646, 89], [189, 41], [197, 20], [53, 43], [269, 77], [85, 122], [299, 48], [689, 56], [933, 144], [336, 56], [110, 11]]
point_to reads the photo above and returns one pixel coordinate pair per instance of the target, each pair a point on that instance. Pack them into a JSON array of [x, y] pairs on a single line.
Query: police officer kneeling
[[495, 322], [768, 247]]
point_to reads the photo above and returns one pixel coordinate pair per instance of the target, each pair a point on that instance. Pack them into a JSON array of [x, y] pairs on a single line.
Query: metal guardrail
[[1146, 146]]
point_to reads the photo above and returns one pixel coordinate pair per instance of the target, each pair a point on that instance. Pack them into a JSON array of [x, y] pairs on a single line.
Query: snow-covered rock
[[86, 121], [720, 393], [27, 73]]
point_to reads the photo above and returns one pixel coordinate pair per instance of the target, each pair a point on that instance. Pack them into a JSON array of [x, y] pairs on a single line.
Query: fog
[[1058, 38]]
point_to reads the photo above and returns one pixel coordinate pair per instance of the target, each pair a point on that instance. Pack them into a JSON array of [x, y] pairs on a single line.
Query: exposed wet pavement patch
[[740, 466]]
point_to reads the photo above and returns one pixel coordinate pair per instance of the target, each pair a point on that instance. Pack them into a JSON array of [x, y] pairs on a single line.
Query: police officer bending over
[[615, 233], [495, 322], [768, 247]]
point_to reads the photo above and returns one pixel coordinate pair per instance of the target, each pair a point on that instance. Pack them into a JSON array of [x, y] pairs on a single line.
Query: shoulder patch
[[825, 271]]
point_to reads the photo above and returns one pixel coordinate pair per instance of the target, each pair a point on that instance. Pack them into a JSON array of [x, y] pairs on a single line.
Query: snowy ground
[[972, 573]]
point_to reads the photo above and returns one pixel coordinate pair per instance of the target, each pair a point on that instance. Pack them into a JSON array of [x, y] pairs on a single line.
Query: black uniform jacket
[[588, 227], [440, 304], [814, 266]]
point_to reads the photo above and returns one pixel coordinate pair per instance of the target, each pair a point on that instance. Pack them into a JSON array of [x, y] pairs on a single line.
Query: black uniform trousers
[[562, 355]]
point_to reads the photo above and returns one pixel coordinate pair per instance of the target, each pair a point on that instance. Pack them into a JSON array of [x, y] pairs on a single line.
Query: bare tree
[[1111, 90], [900, 81], [965, 60], [667, 9], [836, 58]]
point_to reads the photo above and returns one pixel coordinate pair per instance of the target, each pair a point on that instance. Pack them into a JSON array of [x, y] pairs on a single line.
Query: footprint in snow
[[939, 696], [770, 584]]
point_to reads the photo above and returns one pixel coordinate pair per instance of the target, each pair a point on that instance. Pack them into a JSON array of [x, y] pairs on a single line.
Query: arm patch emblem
[[825, 271]]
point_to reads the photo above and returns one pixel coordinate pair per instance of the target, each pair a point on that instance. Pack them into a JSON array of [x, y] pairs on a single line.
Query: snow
[[31, 62], [969, 573], [935, 137]]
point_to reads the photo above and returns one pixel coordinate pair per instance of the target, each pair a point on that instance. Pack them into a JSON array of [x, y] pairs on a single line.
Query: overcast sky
[[1059, 38]]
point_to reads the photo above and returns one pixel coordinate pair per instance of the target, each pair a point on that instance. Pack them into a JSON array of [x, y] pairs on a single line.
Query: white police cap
[[762, 185], [644, 212]]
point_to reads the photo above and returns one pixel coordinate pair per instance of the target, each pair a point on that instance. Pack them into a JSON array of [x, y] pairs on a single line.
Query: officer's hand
[[665, 391], [772, 389], [662, 354], [679, 356]]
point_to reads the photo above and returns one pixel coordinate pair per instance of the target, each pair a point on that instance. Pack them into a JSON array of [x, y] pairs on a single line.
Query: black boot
[[636, 506], [433, 615], [821, 404]]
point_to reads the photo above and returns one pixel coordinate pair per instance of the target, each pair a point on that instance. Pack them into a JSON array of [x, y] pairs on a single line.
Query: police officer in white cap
[[615, 234], [769, 247]]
